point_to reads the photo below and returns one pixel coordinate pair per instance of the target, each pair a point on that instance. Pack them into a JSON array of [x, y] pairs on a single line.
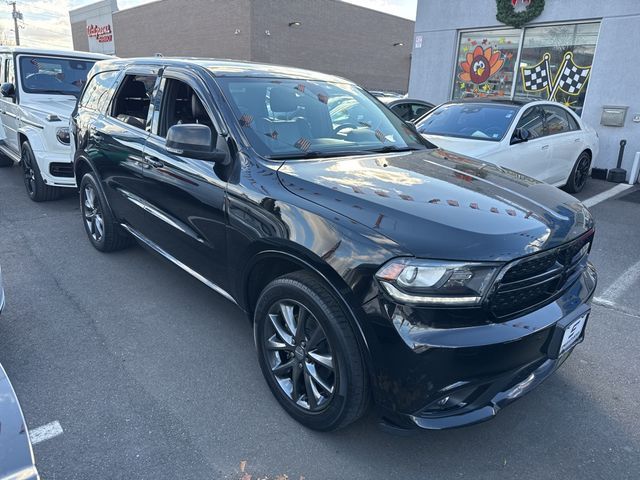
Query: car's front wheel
[[104, 233], [37, 189], [309, 354], [579, 174]]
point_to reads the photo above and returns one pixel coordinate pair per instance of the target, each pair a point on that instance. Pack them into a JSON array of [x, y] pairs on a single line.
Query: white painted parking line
[[622, 283], [601, 197], [45, 432]]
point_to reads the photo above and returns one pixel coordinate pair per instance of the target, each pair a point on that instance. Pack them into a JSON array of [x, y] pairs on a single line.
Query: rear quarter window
[[99, 91]]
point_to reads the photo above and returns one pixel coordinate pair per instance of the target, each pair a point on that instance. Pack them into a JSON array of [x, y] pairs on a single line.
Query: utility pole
[[16, 16]]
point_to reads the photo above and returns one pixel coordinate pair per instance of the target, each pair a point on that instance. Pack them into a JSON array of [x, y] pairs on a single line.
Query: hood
[[464, 146], [60, 105], [440, 205]]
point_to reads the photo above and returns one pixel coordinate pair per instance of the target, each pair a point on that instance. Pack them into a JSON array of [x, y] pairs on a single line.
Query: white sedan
[[544, 140]]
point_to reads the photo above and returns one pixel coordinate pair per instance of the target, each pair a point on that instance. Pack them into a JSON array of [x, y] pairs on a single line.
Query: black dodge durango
[[373, 266]]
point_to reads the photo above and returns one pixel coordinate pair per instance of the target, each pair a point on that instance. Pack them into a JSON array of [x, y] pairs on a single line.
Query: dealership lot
[[152, 375]]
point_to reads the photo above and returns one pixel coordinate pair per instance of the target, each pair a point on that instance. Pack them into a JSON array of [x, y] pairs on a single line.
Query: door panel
[[117, 141], [185, 210], [184, 197], [9, 109], [566, 144], [532, 157]]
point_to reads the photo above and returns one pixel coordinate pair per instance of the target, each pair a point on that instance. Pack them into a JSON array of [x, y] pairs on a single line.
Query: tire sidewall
[[26, 150], [331, 416], [573, 187], [88, 179]]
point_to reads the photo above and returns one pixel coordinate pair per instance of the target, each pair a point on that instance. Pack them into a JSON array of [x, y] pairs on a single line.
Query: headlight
[[62, 134], [435, 282]]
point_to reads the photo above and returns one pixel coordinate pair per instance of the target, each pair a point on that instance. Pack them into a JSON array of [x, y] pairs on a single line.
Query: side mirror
[[193, 140], [520, 135], [8, 90]]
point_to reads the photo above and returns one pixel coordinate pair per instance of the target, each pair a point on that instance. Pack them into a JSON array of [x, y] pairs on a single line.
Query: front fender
[[34, 136]]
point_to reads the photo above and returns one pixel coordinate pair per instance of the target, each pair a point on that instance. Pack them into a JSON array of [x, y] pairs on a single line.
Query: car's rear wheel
[[309, 354], [104, 233], [37, 189], [579, 174]]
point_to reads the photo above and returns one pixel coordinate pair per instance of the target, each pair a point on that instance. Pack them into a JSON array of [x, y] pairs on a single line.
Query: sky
[[46, 22]]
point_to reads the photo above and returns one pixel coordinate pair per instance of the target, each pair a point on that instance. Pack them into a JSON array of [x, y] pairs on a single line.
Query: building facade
[[578, 52], [363, 45]]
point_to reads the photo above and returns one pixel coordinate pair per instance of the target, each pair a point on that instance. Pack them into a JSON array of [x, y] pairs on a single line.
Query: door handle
[[153, 162], [545, 147], [578, 140]]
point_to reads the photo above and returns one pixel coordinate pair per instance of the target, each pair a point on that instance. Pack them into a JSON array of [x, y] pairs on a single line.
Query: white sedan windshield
[[464, 120]]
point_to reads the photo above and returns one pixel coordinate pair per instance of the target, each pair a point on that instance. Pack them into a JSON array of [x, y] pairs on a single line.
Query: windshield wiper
[[317, 154], [393, 148]]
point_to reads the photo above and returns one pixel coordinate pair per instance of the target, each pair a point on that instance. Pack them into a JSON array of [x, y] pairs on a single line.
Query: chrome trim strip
[[7, 151], [147, 207], [178, 263]]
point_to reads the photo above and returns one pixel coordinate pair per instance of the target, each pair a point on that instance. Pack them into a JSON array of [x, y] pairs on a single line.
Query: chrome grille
[[535, 280]]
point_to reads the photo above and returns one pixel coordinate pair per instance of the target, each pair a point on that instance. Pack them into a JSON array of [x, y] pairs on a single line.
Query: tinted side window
[[557, 121], [573, 124], [131, 103], [533, 120], [410, 111], [181, 105], [96, 96]]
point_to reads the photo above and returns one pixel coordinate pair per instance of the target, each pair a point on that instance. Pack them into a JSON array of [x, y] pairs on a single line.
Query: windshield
[[53, 75], [468, 120], [290, 118]]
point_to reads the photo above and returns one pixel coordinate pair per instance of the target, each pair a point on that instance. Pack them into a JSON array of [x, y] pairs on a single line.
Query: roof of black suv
[[223, 68]]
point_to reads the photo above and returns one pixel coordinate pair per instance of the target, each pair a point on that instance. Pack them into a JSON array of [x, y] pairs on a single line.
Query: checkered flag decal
[[538, 77], [572, 77]]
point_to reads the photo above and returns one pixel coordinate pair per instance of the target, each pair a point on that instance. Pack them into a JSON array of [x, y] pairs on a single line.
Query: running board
[[4, 148], [178, 263]]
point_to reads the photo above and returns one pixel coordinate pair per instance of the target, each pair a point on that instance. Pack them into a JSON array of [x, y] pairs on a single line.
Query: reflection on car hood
[[464, 146], [60, 105], [437, 204]]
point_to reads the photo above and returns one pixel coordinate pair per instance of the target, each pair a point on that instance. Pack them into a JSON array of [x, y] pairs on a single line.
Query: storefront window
[[486, 63], [555, 63]]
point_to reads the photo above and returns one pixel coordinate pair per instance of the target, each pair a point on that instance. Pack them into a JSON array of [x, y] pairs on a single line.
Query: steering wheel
[[344, 126]]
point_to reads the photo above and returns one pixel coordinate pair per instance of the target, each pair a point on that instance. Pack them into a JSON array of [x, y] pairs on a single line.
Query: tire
[[37, 190], [104, 233], [579, 174], [324, 355]]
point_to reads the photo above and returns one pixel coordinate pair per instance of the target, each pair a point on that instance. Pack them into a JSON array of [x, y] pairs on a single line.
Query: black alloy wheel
[[299, 355], [92, 211], [580, 173], [309, 353], [37, 189], [104, 232]]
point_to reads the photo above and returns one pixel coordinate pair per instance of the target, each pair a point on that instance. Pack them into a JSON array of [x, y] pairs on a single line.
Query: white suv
[[39, 89]]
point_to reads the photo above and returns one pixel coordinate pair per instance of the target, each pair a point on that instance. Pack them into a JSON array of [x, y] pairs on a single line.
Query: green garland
[[507, 14]]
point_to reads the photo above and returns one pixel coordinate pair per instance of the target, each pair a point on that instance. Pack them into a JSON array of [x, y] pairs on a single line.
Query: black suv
[[371, 265]]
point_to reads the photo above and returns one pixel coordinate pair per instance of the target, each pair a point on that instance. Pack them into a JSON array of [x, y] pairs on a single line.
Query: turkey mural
[[480, 65]]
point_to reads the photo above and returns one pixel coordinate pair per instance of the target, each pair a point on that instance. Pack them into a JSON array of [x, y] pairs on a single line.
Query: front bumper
[[62, 162], [437, 378]]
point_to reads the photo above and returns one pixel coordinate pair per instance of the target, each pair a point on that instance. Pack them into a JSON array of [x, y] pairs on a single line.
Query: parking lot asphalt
[[151, 375]]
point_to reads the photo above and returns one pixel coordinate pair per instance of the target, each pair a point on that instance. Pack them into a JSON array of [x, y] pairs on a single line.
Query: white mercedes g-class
[[39, 89]]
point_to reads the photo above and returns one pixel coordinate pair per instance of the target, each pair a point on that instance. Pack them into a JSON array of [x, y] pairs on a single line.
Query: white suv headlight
[[62, 134], [435, 282]]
